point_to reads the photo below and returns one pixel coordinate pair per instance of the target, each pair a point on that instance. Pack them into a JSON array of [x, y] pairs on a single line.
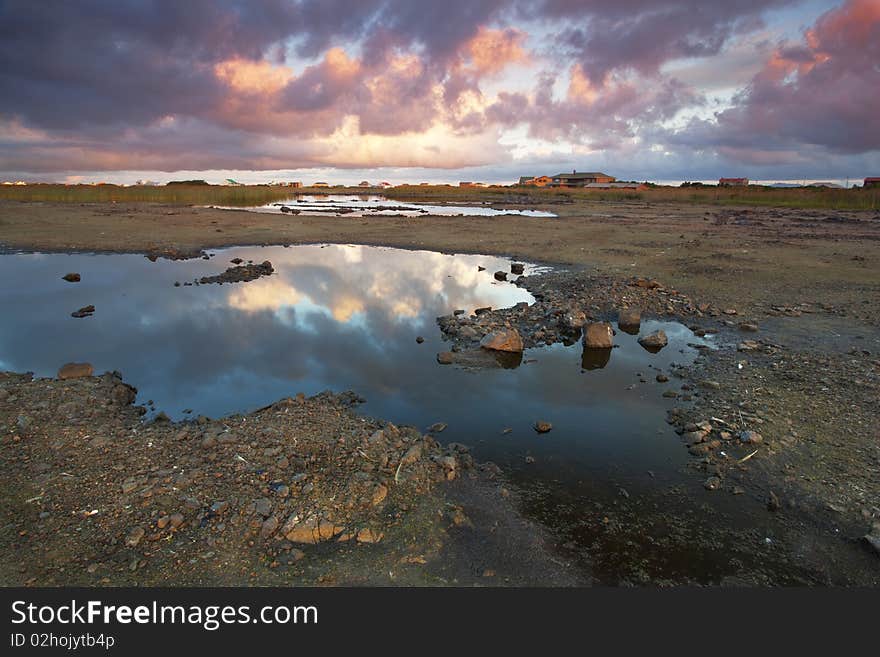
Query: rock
[[176, 520], [85, 311], [437, 427], [134, 536], [312, 531], [629, 319], [445, 358], [412, 455], [419, 339], [368, 535], [713, 385], [655, 341], [129, 485], [573, 321], [873, 537], [263, 506], [773, 503], [72, 277], [75, 371], [503, 340], [162, 522], [220, 506], [240, 274], [380, 492], [662, 378], [749, 328], [751, 437], [500, 275], [747, 345], [712, 483], [542, 427], [269, 527], [517, 268], [598, 335]]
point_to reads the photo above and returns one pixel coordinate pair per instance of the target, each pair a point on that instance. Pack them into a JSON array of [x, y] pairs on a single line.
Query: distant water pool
[[376, 205]]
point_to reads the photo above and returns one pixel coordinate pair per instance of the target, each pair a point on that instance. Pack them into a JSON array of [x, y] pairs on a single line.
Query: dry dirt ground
[[808, 380]]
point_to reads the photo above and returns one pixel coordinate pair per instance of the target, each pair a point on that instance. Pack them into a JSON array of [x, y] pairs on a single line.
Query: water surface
[[347, 318], [371, 205]]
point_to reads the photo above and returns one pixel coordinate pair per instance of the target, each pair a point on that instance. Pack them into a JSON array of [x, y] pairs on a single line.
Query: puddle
[[346, 318], [374, 205]]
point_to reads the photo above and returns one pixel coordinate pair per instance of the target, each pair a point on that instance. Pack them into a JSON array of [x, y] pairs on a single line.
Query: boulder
[[517, 268], [598, 335], [500, 275], [75, 370], [72, 277], [655, 341], [543, 427], [629, 319], [503, 340]]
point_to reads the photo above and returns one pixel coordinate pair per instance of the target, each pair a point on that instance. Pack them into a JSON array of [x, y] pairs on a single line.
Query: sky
[[413, 91]]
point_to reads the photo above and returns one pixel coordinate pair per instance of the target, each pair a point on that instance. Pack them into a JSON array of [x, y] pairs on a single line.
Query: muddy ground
[[794, 296]]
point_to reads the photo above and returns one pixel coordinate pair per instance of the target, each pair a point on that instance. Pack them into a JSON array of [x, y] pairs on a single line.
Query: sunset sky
[[407, 90]]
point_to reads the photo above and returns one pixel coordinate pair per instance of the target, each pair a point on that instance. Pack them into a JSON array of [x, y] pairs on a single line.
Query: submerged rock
[[543, 427], [503, 340], [72, 277], [85, 311], [598, 335]]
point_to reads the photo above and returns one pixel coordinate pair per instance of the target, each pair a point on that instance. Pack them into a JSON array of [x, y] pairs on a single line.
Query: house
[[872, 182], [471, 184], [384, 184], [616, 185], [292, 183], [733, 182], [364, 183], [535, 181], [321, 184], [575, 179]]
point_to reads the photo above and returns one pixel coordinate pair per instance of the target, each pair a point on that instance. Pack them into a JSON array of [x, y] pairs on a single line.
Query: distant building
[[872, 182], [321, 184], [536, 181], [233, 183], [291, 183], [471, 184], [384, 184], [364, 183], [733, 182], [145, 183], [575, 179], [829, 185]]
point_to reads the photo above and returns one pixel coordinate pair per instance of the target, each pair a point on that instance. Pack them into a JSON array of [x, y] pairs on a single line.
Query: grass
[[813, 197], [817, 198], [173, 194]]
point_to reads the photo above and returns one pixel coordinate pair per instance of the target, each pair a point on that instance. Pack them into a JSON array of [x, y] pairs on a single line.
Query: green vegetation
[[195, 193]]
